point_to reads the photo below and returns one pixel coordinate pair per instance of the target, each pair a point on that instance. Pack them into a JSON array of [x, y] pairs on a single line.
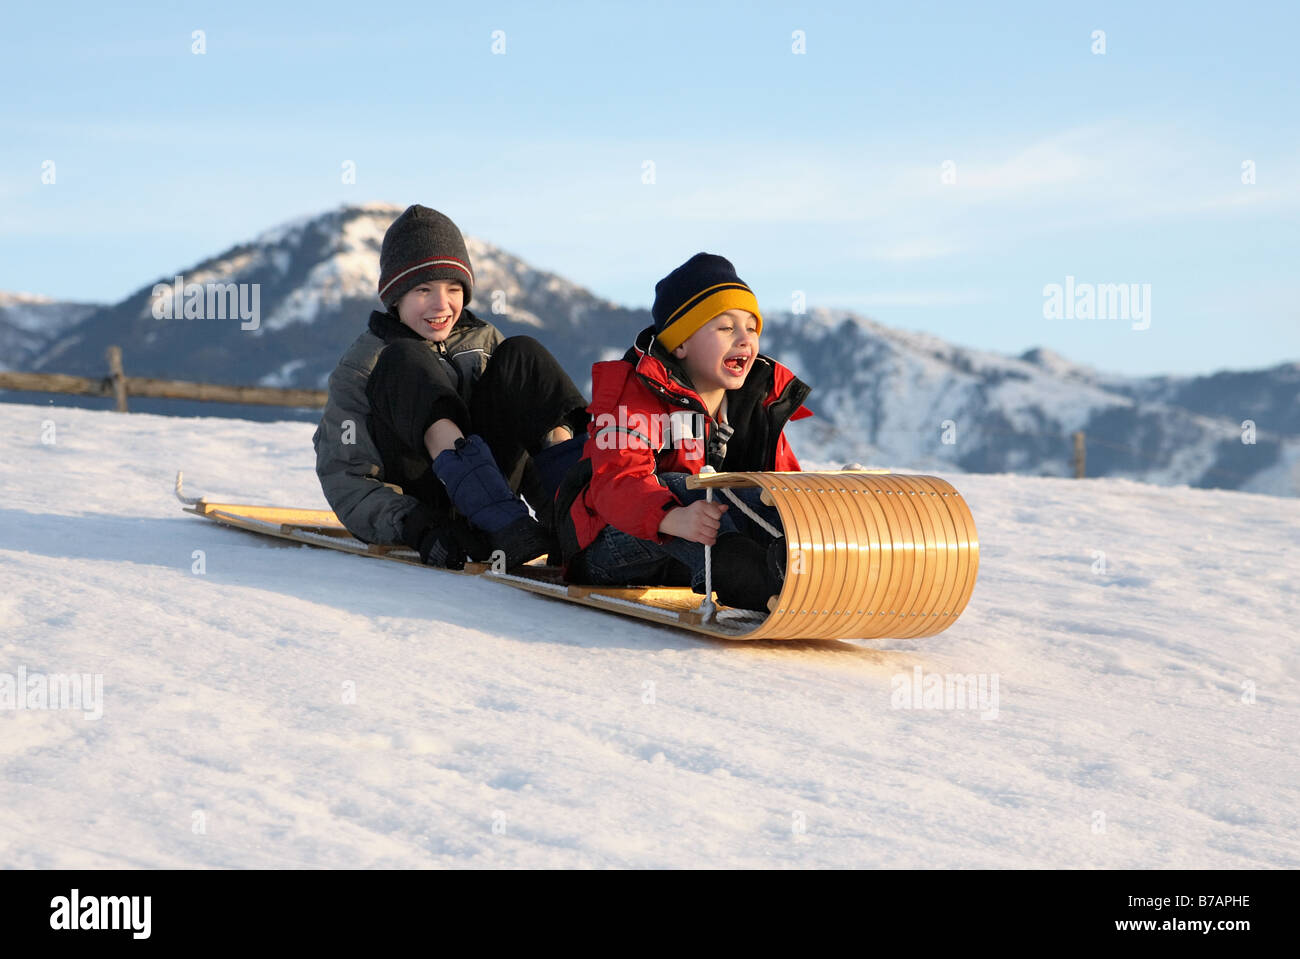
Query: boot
[[481, 495], [745, 574], [776, 563]]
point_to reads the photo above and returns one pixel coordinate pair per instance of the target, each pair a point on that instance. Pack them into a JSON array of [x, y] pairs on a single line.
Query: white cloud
[[1047, 163]]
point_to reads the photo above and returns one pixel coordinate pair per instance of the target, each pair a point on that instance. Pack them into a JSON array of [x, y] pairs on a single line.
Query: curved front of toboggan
[[868, 555]]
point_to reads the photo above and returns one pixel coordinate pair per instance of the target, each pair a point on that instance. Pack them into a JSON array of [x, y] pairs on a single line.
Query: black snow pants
[[522, 395]]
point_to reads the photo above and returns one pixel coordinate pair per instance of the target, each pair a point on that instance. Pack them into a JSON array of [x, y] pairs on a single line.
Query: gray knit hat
[[422, 245]]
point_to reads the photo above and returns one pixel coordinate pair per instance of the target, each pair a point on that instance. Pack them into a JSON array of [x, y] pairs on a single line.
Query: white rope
[[180, 491], [771, 530], [740, 618], [707, 608]]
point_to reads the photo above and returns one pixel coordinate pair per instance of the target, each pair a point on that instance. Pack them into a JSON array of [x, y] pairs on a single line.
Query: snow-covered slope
[[285, 706], [29, 323]]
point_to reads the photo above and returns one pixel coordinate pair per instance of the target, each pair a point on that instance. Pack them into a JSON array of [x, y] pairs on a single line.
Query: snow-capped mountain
[[911, 400], [883, 396], [30, 323], [316, 280]]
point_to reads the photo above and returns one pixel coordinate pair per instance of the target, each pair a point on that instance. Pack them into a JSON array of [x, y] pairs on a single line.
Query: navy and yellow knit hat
[[696, 292], [422, 245]]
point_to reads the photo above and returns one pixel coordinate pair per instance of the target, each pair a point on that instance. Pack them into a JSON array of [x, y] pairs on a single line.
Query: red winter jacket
[[647, 420]]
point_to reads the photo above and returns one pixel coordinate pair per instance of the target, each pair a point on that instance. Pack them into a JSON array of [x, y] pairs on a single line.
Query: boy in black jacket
[[434, 419]]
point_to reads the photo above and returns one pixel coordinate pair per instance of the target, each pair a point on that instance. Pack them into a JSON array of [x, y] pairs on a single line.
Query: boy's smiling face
[[720, 354], [432, 309]]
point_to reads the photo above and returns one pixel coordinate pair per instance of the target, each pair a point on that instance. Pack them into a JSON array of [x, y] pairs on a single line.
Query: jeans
[[615, 558]]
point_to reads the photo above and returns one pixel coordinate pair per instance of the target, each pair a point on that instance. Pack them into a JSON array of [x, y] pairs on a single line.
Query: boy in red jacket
[[692, 391]]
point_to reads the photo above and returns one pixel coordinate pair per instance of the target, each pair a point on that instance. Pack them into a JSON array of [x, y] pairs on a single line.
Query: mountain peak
[[16, 298], [1057, 365]]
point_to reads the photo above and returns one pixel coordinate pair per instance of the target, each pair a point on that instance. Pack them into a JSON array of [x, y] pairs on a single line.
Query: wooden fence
[[118, 385]]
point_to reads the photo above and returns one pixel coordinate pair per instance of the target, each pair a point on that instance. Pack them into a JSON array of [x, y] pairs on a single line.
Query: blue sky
[[820, 172]]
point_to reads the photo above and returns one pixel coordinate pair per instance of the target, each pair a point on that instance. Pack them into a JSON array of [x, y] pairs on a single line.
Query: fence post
[[1079, 455], [117, 377]]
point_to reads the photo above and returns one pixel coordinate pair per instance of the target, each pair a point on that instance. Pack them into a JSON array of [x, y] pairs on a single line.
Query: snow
[[281, 260], [351, 272], [945, 375], [29, 322], [290, 231], [36, 314], [283, 377], [1124, 625], [23, 318], [1283, 477], [504, 283]]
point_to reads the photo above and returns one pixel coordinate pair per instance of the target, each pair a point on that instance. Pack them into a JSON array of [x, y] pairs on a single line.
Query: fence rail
[[118, 385]]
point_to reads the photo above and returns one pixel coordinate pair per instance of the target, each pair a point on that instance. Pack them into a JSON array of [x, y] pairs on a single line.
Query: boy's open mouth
[[439, 323], [737, 363]]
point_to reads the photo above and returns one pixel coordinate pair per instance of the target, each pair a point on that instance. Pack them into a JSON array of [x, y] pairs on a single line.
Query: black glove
[[438, 547], [442, 541], [428, 532]]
